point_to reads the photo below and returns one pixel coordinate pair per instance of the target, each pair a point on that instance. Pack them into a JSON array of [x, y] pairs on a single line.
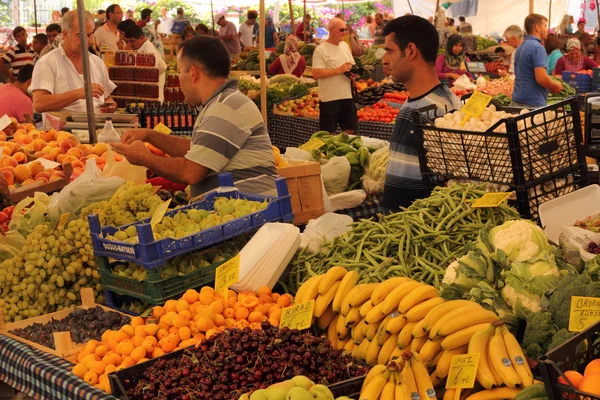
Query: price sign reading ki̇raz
[[298, 316]]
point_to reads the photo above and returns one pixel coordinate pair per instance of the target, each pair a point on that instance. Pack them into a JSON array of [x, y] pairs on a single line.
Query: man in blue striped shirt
[[411, 45]]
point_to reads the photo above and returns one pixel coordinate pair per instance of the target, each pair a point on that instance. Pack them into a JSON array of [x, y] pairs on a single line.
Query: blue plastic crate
[[151, 254], [581, 82], [596, 73]]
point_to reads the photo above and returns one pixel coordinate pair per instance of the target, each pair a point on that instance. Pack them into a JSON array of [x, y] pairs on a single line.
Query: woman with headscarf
[[290, 62], [574, 60], [452, 65]]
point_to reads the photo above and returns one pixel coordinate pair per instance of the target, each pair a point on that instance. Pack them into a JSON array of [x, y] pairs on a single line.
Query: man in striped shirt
[[229, 133], [411, 45], [17, 56]]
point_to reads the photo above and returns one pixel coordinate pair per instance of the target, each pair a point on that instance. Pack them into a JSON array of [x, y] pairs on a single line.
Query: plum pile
[[238, 361], [83, 324]]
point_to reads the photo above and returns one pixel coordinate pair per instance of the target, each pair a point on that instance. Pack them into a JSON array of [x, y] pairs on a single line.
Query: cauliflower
[[522, 301], [520, 240], [450, 275]]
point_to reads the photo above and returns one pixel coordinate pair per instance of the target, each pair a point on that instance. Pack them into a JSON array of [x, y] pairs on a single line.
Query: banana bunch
[[501, 359], [404, 378]]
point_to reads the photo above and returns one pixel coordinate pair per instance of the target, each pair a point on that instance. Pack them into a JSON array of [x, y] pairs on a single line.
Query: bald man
[[331, 61]]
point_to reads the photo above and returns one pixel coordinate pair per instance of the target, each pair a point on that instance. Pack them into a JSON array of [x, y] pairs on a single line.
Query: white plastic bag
[[351, 199], [294, 153], [570, 241], [87, 188], [374, 178], [374, 142], [336, 174], [464, 83], [324, 229]]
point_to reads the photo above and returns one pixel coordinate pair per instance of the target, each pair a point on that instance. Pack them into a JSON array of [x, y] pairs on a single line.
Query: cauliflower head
[[520, 240]]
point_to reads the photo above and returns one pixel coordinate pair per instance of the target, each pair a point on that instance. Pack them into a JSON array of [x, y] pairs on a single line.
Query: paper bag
[[123, 169]]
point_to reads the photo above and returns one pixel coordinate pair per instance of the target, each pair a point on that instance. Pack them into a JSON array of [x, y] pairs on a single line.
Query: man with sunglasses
[[332, 60], [57, 83]]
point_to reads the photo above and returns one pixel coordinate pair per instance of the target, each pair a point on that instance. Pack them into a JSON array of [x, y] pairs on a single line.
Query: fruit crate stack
[[151, 254], [581, 82], [596, 80]]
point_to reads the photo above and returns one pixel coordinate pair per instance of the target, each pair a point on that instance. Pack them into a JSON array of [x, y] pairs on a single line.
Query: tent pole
[[549, 11], [437, 6], [410, 6], [212, 14], [263, 63], [87, 79], [303, 19], [293, 31], [531, 6], [35, 22], [598, 12]]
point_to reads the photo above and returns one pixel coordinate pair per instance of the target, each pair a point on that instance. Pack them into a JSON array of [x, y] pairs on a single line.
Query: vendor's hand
[[156, 23], [354, 77], [131, 135], [502, 73], [452, 76], [136, 153], [342, 69], [97, 92], [556, 87]]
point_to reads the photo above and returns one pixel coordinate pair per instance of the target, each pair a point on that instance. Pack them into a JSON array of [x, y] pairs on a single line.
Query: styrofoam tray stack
[[266, 255]]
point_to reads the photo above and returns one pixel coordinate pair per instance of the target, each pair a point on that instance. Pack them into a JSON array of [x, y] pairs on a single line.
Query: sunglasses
[[343, 29]]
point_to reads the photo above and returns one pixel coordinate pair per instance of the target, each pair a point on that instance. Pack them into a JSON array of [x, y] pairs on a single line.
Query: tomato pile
[[5, 217], [396, 97], [379, 112]]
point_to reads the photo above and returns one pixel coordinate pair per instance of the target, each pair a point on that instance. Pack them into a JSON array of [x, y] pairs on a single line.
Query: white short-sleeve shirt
[[56, 73], [106, 39], [328, 56]]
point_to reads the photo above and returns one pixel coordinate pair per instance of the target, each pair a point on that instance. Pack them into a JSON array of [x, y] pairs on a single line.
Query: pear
[[298, 393], [260, 394], [321, 392], [343, 398], [303, 382], [245, 396], [279, 391]]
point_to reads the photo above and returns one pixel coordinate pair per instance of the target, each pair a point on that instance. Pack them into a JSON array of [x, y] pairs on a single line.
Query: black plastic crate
[[574, 355], [539, 157]]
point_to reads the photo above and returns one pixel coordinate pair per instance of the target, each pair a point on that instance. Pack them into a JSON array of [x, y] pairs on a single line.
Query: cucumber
[[536, 391]]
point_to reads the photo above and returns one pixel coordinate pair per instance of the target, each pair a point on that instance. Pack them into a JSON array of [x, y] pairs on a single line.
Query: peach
[[34, 134], [78, 164], [101, 161], [65, 145], [22, 173], [20, 157], [10, 145], [54, 153], [27, 182], [38, 144], [9, 161], [29, 127], [99, 149], [42, 179], [38, 154], [48, 136], [60, 158], [74, 151], [77, 172], [2, 136], [85, 149], [53, 143], [68, 160], [20, 130], [62, 135], [43, 174], [46, 157], [58, 173], [8, 175], [36, 167], [5, 150], [14, 122], [23, 138], [46, 149]]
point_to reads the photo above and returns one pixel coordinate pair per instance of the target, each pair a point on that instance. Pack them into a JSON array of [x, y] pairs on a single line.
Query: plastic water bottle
[[108, 134]]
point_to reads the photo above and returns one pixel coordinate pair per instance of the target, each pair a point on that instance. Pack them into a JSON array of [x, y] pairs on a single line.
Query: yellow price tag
[[63, 219], [159, 213], [162, 128], [475, 105], [491, 200], [313, 143], [226, 275], [155, 189], [298, 316], [463, 371], [585, 311], [117, 193]]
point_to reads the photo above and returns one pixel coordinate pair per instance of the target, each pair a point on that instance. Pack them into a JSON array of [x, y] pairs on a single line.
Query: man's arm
[[544, 80], [5, 71], [172, 145], [325, 73], [43, 101]]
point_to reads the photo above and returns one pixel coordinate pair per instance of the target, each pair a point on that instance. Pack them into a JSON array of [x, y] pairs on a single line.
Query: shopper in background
[[574, 60], [451, 28], [53, 32], [464, 28], [565, 27], [129, 14], [514, 37], [290, 62], [229, 133], [188, 33], [166, 22], [597, 50], [63, 11], [452, 65], [552, 46], [304, 30], [57, 83], [17, 56], [180, 22], [228, 35], [368, 30], [583, 36], [100, 18], [39, 43], [202, 29], [378, 37], [411, 45], [531, 79], [332, 60], [107, 36], [135, 38], [14, 98], [271, 36], [55, 19], [149, 30], [246, 33], [122, 28]]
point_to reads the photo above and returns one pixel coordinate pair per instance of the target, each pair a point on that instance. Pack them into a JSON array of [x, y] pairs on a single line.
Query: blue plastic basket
[[581, 82], [151, 254]]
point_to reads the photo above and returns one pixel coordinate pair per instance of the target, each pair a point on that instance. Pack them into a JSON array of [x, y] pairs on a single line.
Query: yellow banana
[[479, 344], [497, 377], [418, 331], [443, 366], [385, 288], [342, 330], [372, 353], [373, 389], [362, 349], [420, 311], [500, 359], [430, 349], [405, 336], [431, 364], [464, 320], [393, 299], [390, 388], [358, 332], [324, 300], [333, 274], [309, 290], [353, 317], [424, 383], [354, 352], [325, 319], [371, 331], [375, 315], [449, 394], [496, 393], [348, 282], [331, 331], [402, 391], [407, 376], [361, 293], [387, 349], [351, 296], [441, 310], [365, 308], [517, 357], [462, 337], [395, 323], [396, 354], [417, 344], [382, 335], [373, 372], [342, 343], [417, 296]]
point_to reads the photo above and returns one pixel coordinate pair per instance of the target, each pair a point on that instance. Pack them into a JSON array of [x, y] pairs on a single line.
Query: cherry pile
[[593, 248], [239, 361]]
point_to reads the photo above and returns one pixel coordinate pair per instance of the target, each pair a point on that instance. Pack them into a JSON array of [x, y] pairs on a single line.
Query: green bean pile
[[418, 242]]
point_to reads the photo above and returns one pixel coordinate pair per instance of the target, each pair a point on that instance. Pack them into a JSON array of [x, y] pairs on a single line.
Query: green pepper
[[319, 134], [316, 154], [353, 158], [363, 155], [357, 144], [343, 137], [331, 150], [344, 149]]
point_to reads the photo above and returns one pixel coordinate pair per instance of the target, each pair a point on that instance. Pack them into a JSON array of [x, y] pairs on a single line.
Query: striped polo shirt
[[17, 57], [403, 181], [230, 136]]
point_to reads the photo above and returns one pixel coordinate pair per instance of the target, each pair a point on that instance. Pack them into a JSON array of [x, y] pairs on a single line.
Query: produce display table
[[368, 209], [41, 375]]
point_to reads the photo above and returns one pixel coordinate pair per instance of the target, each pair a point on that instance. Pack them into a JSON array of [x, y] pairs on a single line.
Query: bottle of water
[[108, 134]]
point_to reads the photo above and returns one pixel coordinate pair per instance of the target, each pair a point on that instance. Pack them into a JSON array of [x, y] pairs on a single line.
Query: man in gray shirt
[[229, 133]]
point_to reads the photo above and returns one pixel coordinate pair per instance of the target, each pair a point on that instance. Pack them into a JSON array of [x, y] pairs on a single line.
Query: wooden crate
[[64, 347], [306, 190], [23, 192]]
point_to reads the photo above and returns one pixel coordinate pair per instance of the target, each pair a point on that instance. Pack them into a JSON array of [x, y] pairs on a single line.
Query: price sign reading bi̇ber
[[490, 200], [463, 371], [585, 311], [227, 274], [298, 316]]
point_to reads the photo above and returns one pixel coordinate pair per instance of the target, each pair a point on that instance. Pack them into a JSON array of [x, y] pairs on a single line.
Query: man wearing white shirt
[[246, 32], [57, 83], [166, 22], [107, 36], [134, 36]]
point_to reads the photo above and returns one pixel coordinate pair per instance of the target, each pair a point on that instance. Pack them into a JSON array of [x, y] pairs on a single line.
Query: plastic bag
[[374, 143], [570, 240], [374, 177], [463, 83], [351, 199], [36, 208], [336, 174], [11, 245], [87, 188], [123, 169], [324, 229], [294, 153]]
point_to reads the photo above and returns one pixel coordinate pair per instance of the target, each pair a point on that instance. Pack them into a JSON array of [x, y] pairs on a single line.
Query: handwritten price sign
[[585, 311], [463, 371], [490, 200], [227, 274], [298, 316], [475, 105]]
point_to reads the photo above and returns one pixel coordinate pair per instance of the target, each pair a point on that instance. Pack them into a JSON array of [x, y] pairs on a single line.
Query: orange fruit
[[162, 333], [184, 333], [274, 322], [256, 316], [158, 311], [137, 321], [111, 344], [149, 346], [170, 305], [79, 370], [116, 359], [186, 314], [264, 290], [179, 321], [138, 353], [173, 330], [140, 331], [275, 296], [573, 376], [126, 349], [168, 318], [263, 308], [90, 347], [91, 377], [182, 305], [265, 298], [590, 384], [157, 352], [110, 369], [206, 297], [229, 322], [167, 345], [190, 296], [128, 362], [151, 329], [128, 329], [121, 336], [101, 351], [241, 313], [151, 339], [255, 325], [217, 306], [592, 367], [143, 360], [231, 301], [210, 332], [219, 320], [284, 300], [108, 335], [137, 341], [229, 313]]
